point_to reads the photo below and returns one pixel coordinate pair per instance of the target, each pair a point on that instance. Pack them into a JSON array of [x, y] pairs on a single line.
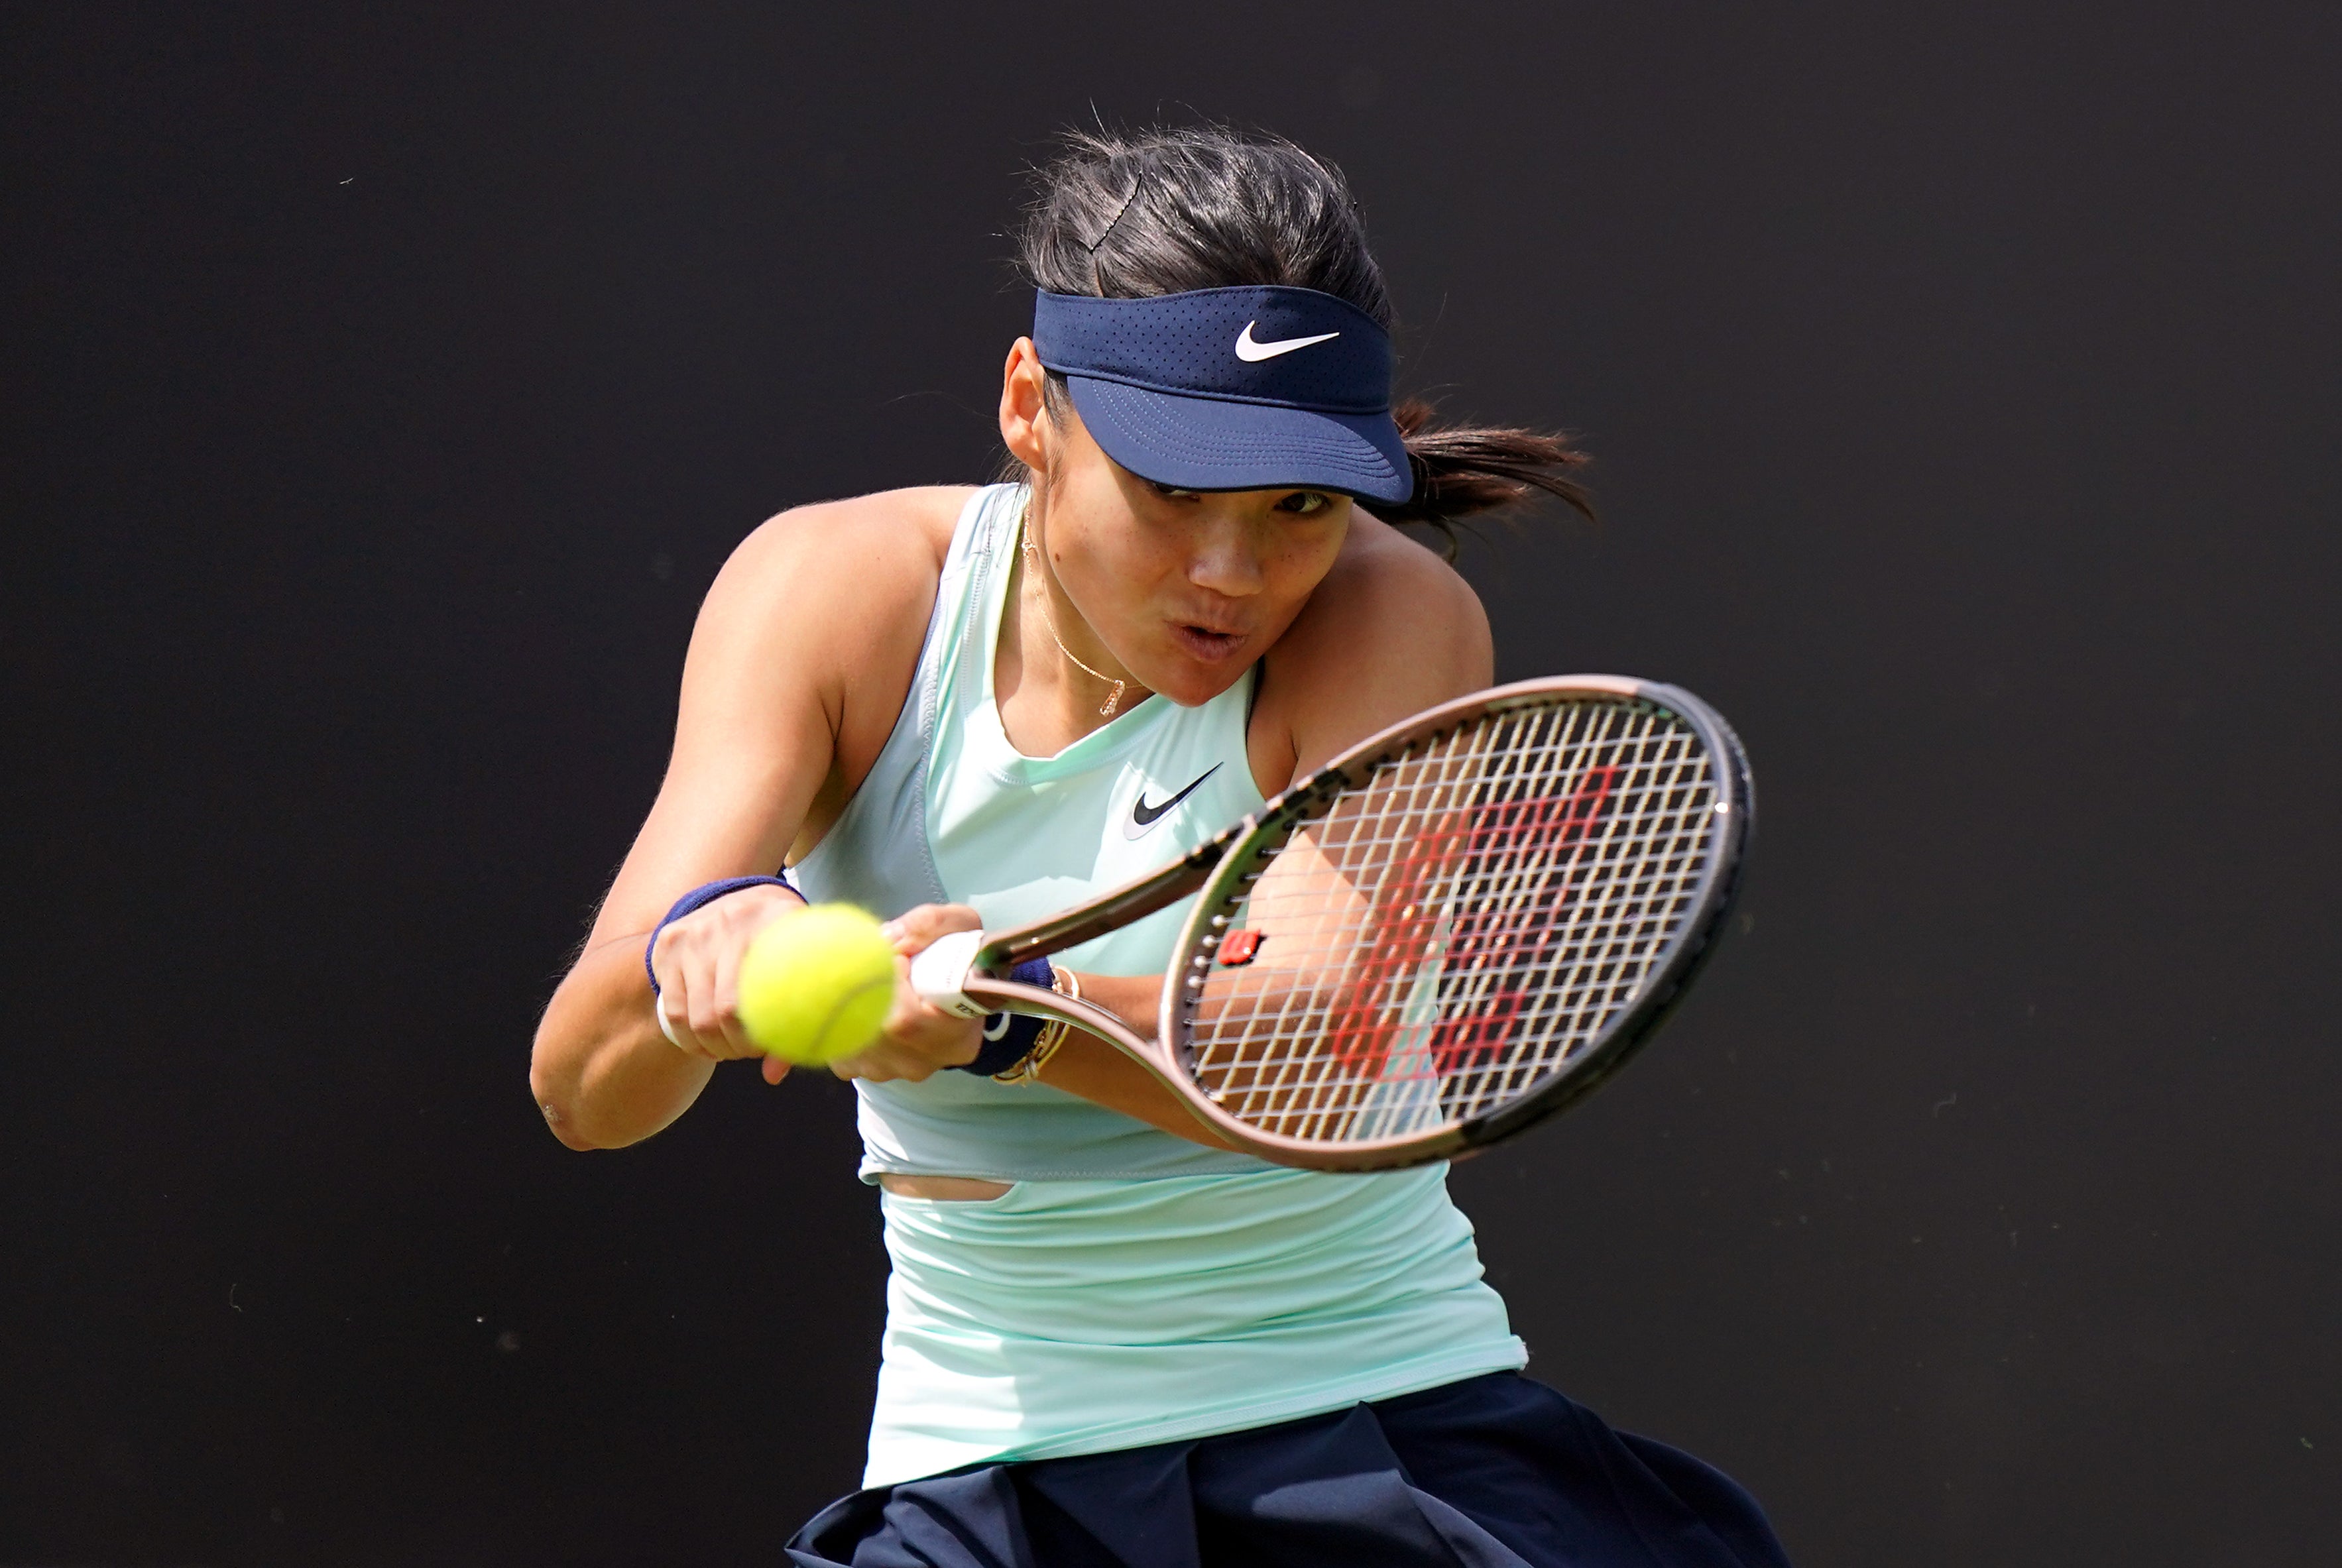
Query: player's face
[[1187, 588]]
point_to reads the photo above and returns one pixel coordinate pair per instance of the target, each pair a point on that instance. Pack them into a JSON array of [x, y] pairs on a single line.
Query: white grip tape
[[938, 973]]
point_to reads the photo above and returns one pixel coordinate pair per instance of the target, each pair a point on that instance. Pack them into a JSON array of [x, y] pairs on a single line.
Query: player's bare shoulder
[[1391, 615], [850, 560], [1392, 630], [823, 608], [1388, 577], [839, 582]]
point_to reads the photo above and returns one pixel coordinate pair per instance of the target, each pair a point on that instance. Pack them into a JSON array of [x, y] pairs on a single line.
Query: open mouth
[[1205, 642]]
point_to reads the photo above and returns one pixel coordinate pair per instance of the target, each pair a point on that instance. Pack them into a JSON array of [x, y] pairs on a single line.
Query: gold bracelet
[[1028, 1069], [1045, 1045], [1064, 983]]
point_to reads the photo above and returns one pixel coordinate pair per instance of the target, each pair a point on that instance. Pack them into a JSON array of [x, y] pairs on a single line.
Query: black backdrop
[[382, 393]]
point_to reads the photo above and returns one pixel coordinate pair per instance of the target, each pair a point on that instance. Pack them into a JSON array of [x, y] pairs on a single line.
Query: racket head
[[1460, 926]]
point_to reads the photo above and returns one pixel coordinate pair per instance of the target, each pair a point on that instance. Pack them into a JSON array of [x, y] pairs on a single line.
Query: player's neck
[[1053, 681]]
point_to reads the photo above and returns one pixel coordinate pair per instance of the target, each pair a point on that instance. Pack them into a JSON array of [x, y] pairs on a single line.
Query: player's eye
[[1306, 502], [1170, 491]]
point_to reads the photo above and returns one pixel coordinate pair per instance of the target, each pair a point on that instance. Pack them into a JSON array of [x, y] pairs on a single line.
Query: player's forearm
[[1099, 1072], [602, 1075]]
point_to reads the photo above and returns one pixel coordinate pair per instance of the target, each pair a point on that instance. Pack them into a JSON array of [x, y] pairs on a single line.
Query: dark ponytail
[[1168, 211], [1461, 469]]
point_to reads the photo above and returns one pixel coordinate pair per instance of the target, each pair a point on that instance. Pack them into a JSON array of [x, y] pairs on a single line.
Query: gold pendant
[[1113, 700]]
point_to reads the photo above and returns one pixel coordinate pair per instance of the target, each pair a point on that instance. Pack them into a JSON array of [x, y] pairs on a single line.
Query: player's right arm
[[799, 663]]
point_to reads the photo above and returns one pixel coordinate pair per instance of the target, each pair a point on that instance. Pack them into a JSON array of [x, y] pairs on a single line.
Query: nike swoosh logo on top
[[1251, 353], [1144, 816]]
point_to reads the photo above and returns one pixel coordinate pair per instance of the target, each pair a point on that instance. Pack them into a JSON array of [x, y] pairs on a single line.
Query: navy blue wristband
[[705, 893], [1008, 1036]]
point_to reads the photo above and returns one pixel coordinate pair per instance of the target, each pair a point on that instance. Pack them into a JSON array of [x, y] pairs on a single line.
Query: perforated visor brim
[[1210, 444]]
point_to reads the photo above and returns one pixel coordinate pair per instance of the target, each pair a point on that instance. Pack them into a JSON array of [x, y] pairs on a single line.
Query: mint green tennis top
[[1132, 1287]]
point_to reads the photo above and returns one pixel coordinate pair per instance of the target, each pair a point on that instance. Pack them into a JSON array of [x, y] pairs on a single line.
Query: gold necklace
[[1033, 554]]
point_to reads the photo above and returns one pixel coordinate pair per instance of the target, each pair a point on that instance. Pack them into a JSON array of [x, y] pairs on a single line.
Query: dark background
[[382, 392]]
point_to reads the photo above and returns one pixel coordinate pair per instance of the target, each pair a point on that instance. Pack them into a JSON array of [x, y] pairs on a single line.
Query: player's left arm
[[1392, 630]]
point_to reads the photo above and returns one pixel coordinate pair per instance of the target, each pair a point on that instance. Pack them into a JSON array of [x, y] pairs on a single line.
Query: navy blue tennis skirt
[[1494, 1471]]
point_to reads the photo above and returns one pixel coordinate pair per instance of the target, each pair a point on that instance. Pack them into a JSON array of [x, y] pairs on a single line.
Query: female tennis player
[[1111, 1340]]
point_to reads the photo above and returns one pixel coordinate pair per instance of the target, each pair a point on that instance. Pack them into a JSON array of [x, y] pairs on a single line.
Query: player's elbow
[[557, 1096], [561, 1119], [569, 1136]]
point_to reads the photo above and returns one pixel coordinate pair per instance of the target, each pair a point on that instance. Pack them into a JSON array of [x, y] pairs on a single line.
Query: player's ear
[[1025, 407]]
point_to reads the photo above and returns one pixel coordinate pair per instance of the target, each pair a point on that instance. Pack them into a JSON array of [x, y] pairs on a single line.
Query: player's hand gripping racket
[[1452, 931]]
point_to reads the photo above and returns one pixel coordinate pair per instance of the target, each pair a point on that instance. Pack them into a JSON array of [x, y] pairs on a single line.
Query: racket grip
[[938, 972]]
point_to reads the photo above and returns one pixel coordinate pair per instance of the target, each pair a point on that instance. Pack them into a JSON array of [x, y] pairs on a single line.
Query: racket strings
[[1446, 938]]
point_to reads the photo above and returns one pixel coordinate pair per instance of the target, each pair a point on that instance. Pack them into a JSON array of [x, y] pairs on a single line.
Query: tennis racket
[[1453, 930]]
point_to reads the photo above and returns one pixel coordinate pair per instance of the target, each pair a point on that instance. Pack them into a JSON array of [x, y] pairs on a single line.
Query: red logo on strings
[[1404, 924]]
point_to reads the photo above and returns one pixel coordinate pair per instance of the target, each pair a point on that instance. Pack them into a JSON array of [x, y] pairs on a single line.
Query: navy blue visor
[[1252, 388]]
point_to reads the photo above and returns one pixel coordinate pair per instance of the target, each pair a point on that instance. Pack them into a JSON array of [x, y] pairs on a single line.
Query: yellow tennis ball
[[816, 985]]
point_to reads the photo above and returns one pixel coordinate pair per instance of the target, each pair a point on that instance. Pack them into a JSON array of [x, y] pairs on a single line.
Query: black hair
[[1128, 217]]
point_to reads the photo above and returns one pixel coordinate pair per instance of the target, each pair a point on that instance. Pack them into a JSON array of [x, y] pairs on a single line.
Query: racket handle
[[938, 973]]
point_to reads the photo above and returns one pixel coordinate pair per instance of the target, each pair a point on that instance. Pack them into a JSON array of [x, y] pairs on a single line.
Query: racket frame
[[1243, 850]]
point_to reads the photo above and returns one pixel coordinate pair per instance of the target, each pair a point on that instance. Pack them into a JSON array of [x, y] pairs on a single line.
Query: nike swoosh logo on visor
[[1253, 353], [1144, 816]]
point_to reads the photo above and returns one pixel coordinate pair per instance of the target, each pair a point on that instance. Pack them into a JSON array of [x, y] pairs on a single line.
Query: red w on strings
[[1514, 852]]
